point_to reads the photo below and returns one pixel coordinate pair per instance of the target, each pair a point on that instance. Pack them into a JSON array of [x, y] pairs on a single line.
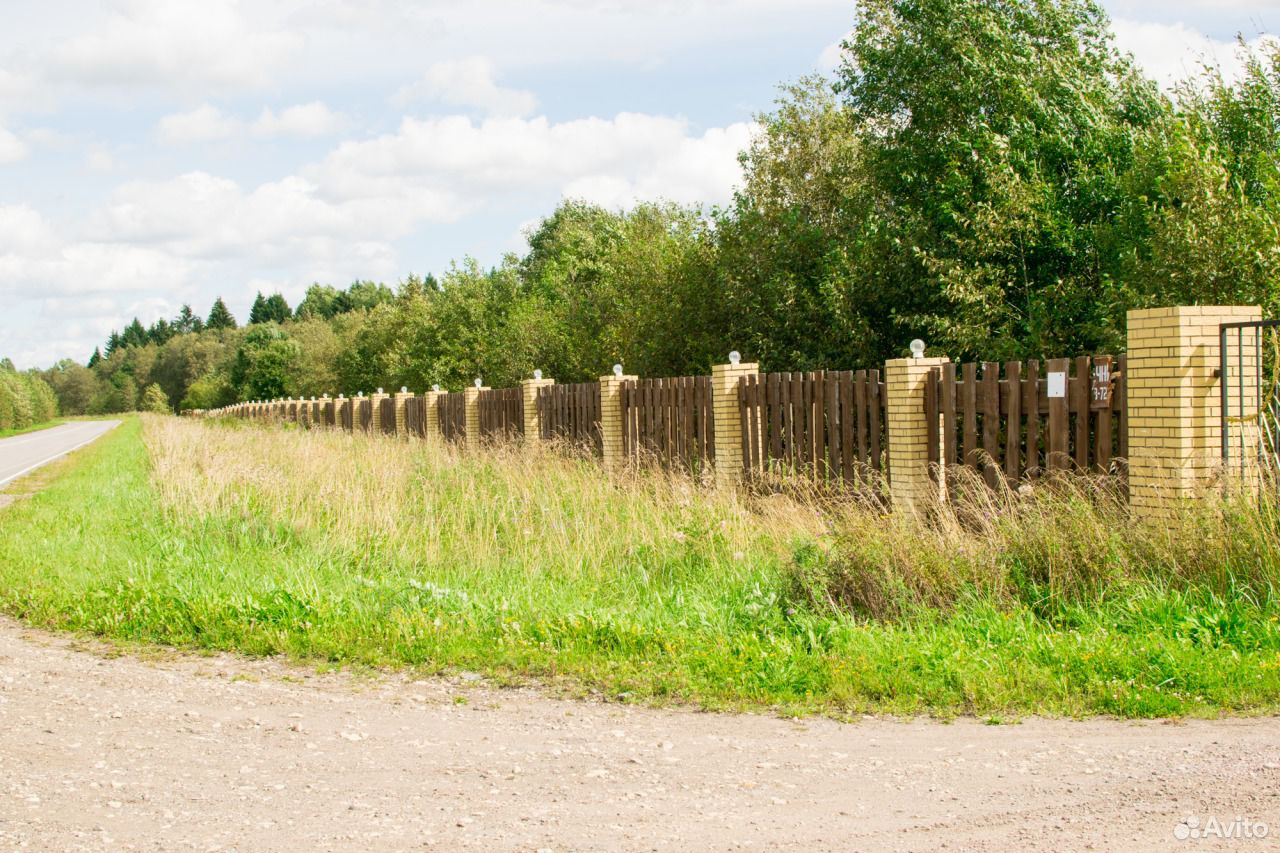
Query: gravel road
[[100, 749]]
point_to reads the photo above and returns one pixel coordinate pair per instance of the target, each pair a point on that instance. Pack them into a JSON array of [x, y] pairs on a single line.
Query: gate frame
[[1224, 374]]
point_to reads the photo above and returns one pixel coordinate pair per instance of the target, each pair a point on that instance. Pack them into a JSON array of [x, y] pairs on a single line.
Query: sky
[[161, 152]]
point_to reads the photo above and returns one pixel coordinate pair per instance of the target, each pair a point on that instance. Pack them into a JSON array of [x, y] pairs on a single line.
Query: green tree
[[155, 400], [264, 363], [320, 302], [997, 135], [219, 316]]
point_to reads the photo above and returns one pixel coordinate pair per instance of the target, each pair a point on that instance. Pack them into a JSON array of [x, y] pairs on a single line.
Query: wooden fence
[[452, 409], [825, 425], [1017, 427], [387, 415], [669, 420], [571, 412], [501, 413], [415, 416]]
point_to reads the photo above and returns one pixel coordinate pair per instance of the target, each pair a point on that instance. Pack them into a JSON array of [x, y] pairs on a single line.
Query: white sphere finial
[[379, 390], [478, 382], [917, 348], [617, 370], [342, 396], [404, 389], [435, 388], [735, 357], [537, 374]]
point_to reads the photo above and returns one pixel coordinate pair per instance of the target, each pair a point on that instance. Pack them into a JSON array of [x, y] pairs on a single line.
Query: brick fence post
[[375, 400], [431, 413], [356, 403], [611, 416], [1175, 404], [911, 487], [728, 417], [471, 403], [401, 403], [529, 399]]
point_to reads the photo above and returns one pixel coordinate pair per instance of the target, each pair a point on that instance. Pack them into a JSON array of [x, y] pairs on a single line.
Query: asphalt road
[[24, 453]]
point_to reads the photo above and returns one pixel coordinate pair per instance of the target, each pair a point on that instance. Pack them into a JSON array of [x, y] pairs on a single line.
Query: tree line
[[995, 178]]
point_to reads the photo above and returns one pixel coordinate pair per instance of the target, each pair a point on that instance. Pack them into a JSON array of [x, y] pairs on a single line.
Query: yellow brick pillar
[[357, 402], [911, 487], [375, 399], [1175, 403], [529, 398], [402, 399], [728, 416], [431, 413], [471, 403], [611, 416]]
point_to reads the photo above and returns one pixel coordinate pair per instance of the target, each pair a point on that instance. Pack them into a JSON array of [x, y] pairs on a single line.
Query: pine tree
[[187, 321], [278, 309], [258, 313], [160, 332], [219, 316], [113, 342], [134, 334], [95, 358]]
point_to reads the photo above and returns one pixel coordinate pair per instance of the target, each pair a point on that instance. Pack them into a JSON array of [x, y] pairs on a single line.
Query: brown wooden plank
[[990, 421], [1121, 406], [1058, 458], [933, 437], [1013, 423], [874, 403], [948, 405], [848, 417], [832, 396], [774, 397], [1031, 406], [969, 403], [795, 427], [1103, 432], [1080, 405], [860, 406]]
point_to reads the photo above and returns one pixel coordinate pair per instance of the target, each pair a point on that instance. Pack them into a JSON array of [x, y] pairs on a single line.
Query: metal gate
[[1249, 369]]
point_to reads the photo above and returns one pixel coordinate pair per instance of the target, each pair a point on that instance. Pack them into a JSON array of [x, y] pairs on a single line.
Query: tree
[[187, 322], [219, 316], [113, 342], [134, 335], [263, 363], [95, 358], [154, 400], [258, 311], [997, 136], [319, 302]]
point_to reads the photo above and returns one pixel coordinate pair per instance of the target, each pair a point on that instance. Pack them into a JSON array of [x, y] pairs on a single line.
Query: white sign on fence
[[1057, 384]]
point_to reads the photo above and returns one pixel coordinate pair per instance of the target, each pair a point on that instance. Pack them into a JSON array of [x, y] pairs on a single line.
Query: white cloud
[[206, 44], [313, 119], [206, 123], [1170, 53], [467, 83], [12, 149], [628, 157]]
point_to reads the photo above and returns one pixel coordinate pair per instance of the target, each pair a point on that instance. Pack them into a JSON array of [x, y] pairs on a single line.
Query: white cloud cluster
[[467, 83], [207, 123], [12, 149], [1171, 53]]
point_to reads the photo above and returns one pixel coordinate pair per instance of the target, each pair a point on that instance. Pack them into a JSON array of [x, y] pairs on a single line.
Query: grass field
[[524, 564]]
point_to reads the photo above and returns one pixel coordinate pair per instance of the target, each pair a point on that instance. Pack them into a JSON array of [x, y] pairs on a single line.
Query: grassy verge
[[6, 433], [328, 547]]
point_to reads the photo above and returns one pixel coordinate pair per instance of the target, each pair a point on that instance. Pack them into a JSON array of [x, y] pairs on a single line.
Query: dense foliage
[[993, 177], [25, 399]]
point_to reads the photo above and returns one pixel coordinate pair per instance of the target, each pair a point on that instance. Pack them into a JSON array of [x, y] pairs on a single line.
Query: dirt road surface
[[182, 752]]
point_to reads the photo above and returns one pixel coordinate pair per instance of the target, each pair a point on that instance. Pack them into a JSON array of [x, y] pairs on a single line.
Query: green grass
[[355, 551], [5, 433]]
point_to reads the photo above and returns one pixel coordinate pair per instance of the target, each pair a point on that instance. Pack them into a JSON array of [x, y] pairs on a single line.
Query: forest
[[995, 178]]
